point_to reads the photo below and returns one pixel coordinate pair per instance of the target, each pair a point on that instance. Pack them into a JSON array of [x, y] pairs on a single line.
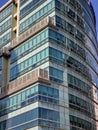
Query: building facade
[[48, 65]]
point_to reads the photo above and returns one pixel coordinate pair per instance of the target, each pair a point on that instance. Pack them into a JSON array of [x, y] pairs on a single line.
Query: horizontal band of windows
[[45, 11], [78, 84], [88, 15], [73, 16], [5, 38], [28, 51], [33, 99], [29, 46], [70, 45], [30, 62], [88, 30], [22, 1], [29, 7], [37, 64], [66, 42], [15, 57], [29, 116], [90, 34], [80, 104], [40, 39], [76, 5], [76, 128], [39, 122], [86, 75], [28, 93], [68, 11], [85, 6], [60, 61], [5, 13], [78, 101], [70, 28], [56, 80], [28, 125], [26, 25], [78, 69], [5, 29], [5, 43], [75, 121], [54, 55], [79, 88], [33, 62], [29, 68], [81, 110], [5, 26]]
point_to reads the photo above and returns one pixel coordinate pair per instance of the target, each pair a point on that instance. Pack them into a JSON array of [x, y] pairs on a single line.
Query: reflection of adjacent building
[[48, 65]]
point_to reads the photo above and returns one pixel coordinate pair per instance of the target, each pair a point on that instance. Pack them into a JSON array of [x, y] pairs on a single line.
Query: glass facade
[[45, 11], [32, 118], [5, 39], [5, 25], [5, 13], [28, 64], [48, 65], [31, 95]]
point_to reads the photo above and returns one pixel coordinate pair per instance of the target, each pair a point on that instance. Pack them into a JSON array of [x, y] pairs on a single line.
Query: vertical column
[[18, 16], [15, 19], [95, 104], [5, 70], [64, 103], [0, 73]]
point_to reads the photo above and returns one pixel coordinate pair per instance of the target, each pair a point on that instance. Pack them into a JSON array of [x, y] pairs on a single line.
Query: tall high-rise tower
[[48, 65]]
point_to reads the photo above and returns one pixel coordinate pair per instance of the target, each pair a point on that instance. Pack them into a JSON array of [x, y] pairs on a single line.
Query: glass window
[[36, 89], [56, 93], [19, 97], [38, 57], [71, 13], [30, 44], [50, 114], [14, 100], [11, 101], [35, 41], [44, 113], [23, 95], [34, 59], [50, 92], [49, 6], [44, 90], [32, 91], [6, 12], [5, 25], [27, 93], [28, 62], [36, 16]]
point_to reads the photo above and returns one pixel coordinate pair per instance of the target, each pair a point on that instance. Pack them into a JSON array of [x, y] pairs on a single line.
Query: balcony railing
[[33, 30], [38, 75]]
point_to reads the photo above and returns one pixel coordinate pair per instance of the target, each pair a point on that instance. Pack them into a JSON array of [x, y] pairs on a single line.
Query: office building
[[48, 65]]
